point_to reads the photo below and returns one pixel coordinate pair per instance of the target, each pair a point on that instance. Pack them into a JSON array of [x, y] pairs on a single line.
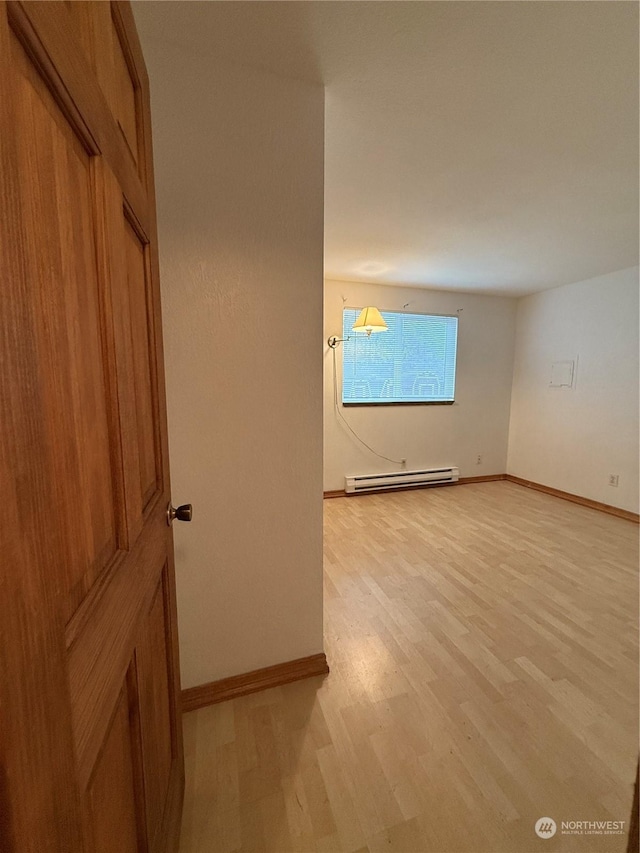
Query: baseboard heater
[[400, 480]]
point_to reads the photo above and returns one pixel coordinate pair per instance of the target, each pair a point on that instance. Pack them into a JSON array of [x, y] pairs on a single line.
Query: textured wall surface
[[239, 173], [574, 438], [427, 436]]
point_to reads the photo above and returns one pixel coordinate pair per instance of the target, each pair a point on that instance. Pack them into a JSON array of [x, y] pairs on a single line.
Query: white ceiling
[[482, 146]]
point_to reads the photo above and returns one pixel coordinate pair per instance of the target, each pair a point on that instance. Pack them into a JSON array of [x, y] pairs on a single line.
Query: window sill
[[403, 403]]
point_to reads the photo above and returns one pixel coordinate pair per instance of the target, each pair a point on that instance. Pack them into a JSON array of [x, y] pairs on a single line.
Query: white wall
[[574, 438], [239, 176], [477, 423]]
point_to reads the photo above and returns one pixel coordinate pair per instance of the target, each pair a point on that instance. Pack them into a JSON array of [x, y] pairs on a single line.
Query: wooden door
[[90, 735]]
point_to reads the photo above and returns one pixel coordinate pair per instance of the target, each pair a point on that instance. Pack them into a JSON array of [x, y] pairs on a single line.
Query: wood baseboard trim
[[529, 484], [484, 478], [576, 499], [252, 682]]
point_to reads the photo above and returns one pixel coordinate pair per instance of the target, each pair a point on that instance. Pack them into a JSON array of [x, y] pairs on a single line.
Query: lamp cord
[[345, 422]]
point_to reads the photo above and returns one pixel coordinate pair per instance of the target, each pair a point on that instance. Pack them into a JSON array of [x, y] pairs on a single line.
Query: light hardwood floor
[[484, 673]]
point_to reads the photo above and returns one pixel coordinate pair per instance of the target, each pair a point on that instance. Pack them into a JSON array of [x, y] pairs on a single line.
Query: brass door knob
[[182, 513]]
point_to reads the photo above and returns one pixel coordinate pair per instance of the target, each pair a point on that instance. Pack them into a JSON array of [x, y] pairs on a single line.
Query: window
[[413, 362]]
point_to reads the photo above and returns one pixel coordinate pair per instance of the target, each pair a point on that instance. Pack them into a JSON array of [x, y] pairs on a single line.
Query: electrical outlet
[[479, 459], [613, 479]]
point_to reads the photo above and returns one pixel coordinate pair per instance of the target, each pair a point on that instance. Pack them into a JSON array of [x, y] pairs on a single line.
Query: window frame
[[380, 404]]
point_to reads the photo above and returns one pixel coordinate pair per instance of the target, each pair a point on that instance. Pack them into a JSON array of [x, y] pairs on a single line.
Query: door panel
[[101, 36], [144, 379], [112, 808], [103, 646], [123, 99], [156, 716], [61, 258], [90, 738]]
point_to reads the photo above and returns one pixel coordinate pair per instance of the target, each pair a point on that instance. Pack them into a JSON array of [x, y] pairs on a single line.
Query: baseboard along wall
[[529, 484], [576, 499], [252, 682]]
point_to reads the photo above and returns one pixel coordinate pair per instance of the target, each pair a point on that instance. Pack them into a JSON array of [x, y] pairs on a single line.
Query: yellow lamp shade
[[370, 320]]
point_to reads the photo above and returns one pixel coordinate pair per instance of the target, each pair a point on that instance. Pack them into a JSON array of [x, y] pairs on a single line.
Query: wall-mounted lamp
[[370, 320]]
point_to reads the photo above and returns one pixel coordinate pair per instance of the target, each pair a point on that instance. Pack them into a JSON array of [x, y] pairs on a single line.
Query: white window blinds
[[413, 362]]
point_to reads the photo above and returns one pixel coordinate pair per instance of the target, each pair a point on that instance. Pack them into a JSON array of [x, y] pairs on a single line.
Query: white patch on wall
[[562, 374]]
